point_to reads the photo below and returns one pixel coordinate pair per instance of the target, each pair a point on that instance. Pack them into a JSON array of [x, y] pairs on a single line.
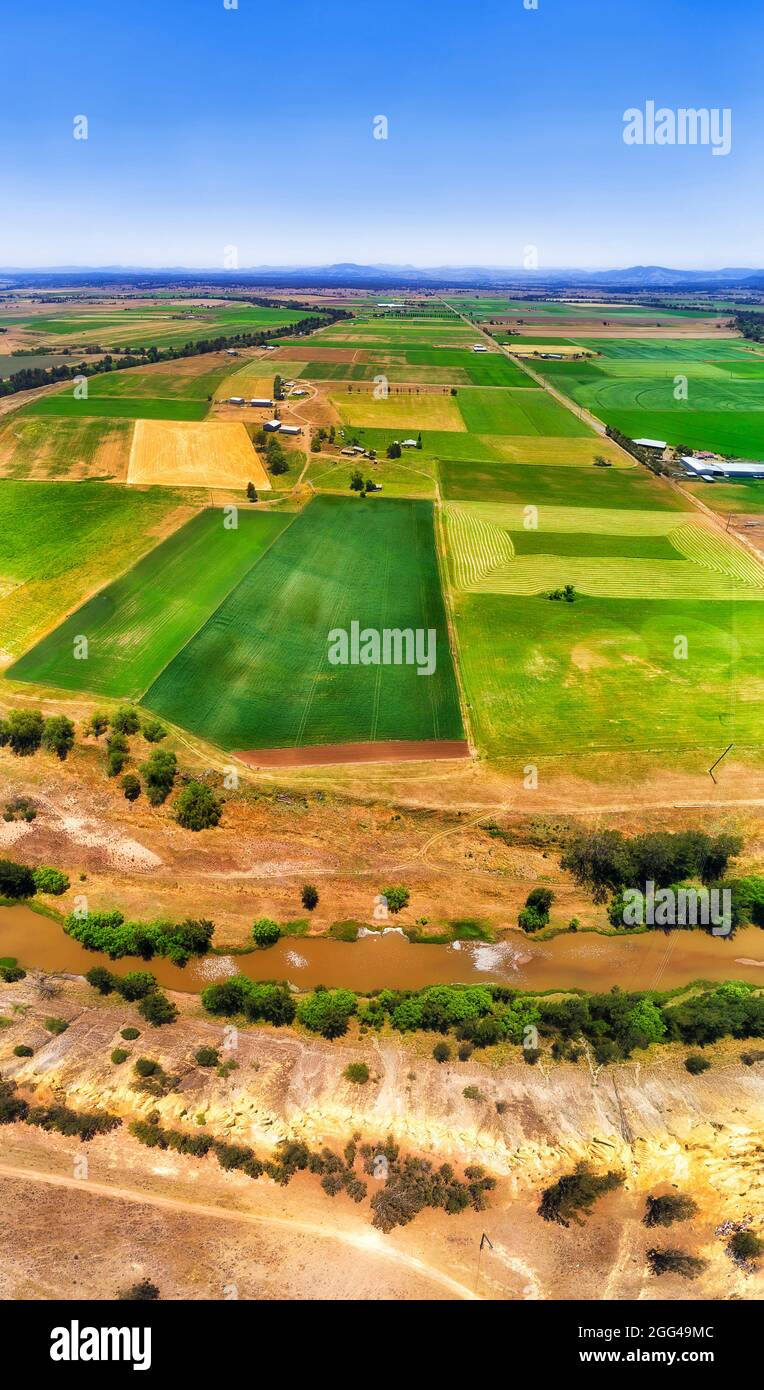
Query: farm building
[[261, 401], [709, 469], [272, 425], [235, 400], [652, 443], [291, 429], [408, 444], [479, 347]]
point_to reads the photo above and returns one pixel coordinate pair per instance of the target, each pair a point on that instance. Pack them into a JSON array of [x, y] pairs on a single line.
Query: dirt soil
[[196, 1231]]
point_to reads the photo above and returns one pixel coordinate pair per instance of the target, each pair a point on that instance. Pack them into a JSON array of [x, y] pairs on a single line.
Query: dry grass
[[178, 454]]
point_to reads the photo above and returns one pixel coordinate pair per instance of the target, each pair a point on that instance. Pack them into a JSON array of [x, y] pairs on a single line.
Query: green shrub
[[207, 1056], [157, 1009], [22, 1050], [119, 1055], [52, 881], [146, 1066], [396, 898], [153, 731], [130, 1034], [696, 1064], [56, 1025], [265, 932], [357, 1072], [441, 1052], [746, 1246], [309, 896], [664, 1211]]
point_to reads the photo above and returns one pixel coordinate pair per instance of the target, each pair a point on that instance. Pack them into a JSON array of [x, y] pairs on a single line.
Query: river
[[582, 960]]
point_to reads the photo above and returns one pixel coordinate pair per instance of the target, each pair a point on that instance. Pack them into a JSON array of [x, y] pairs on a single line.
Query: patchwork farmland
[[426, 485]]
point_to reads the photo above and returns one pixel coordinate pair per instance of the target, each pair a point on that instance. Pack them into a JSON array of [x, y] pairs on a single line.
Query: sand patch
[[180, 454]]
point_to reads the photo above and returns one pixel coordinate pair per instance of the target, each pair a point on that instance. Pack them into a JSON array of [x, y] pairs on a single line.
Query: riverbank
[[666, 1130]]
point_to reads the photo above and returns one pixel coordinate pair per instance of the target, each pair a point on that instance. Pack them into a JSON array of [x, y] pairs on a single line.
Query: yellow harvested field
[[423, 410], [176, 453], [557, 350]]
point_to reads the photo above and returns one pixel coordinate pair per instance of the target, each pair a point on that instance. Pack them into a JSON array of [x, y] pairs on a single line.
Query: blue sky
[[251, 127]]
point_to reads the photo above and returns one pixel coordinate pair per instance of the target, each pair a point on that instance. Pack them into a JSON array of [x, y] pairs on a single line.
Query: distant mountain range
[[347, 275]]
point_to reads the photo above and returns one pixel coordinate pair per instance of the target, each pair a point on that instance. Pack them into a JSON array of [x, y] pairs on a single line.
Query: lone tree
[[251, 492], [673, 1261], [309, 896], [196, 807], [22, 731], [58, 735], [396, 898], [664, 1211], [575, 1193], [265, 932]]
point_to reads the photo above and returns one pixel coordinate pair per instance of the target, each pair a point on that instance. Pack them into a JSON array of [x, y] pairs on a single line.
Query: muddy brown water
[[583, 960]]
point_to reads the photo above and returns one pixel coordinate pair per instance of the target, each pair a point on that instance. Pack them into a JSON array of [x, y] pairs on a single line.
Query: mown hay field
[[413, 411], [213, 454], [60, 449]]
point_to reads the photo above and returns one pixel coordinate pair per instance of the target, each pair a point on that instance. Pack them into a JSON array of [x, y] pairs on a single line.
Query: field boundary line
[[448, 598]]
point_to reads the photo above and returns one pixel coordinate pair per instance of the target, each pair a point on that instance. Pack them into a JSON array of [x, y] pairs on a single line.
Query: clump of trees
[[17, 881], [258, 1001], [606, 861], [79, 1124], [25, 731], [535, 914], [327, 1011], [574, 1194], [110, 933]]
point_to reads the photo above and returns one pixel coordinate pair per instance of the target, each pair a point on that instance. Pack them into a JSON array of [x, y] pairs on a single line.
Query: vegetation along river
[[584, 960]]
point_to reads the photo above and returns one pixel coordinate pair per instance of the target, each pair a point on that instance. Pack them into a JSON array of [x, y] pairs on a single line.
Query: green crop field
[[257, 674], [117, 407], [164, 384], [138, 623], [500, 411], [551, 677], [59, 541]]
